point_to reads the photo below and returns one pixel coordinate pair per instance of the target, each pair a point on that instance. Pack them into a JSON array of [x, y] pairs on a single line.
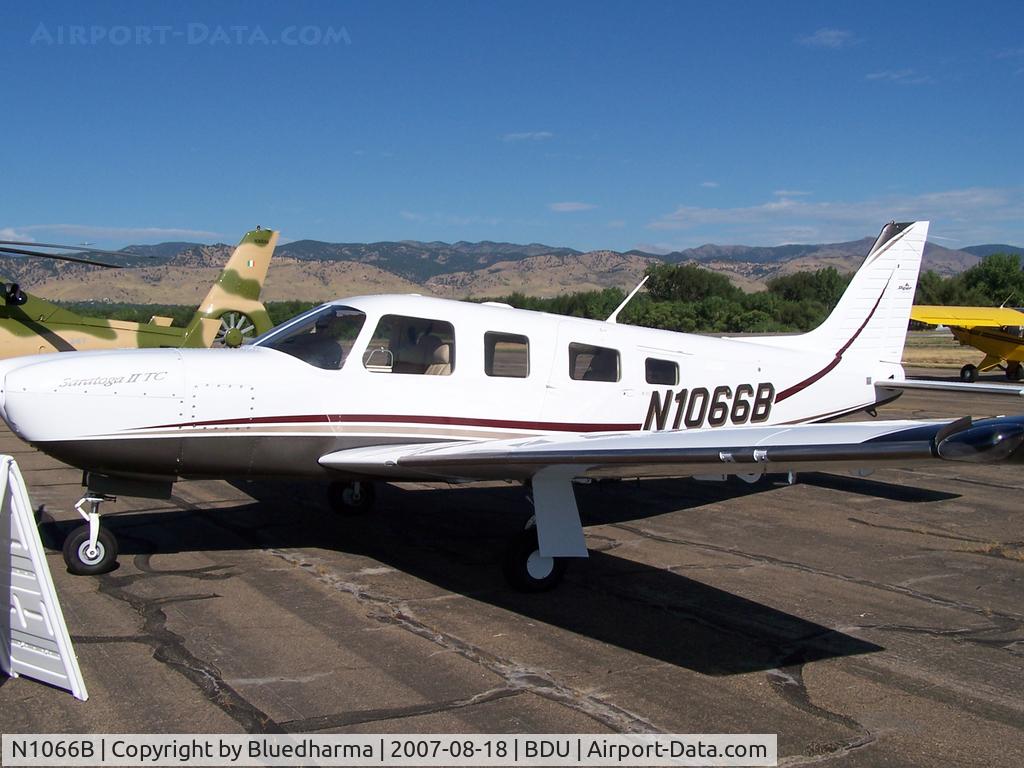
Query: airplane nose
[[69, 396], [6, 367]]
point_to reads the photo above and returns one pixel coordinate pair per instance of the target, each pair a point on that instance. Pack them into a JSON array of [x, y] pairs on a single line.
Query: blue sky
[[656, 125]]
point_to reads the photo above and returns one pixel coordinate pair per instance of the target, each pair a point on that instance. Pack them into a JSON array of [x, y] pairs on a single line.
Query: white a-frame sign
[[34, 639]]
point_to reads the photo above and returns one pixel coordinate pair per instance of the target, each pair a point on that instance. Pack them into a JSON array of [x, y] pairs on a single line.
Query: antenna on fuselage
[[613, 317]]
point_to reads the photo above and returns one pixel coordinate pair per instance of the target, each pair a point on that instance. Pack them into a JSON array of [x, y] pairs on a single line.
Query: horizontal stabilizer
[[951, 386]]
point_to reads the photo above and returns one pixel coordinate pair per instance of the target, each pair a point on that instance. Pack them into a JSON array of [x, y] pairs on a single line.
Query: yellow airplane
[[996, 331]]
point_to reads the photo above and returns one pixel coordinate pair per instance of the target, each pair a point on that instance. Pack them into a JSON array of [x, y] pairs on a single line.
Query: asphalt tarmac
[[867, 621]]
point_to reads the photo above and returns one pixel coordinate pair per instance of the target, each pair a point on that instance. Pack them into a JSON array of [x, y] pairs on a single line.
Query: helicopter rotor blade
[[58, 257], [79, 248]]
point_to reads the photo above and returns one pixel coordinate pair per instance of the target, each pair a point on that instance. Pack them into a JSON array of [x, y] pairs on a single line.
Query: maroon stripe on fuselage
[[323, 418], [837, 358]]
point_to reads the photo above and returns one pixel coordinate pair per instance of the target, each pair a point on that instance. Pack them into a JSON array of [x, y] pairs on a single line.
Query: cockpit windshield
[[322, 337]]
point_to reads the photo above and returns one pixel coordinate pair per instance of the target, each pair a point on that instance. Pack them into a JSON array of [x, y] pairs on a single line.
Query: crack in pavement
[[518, 677], [779, 562], [362, 717], [169, 647], [788, 683], [391, 610], [980, 637], [922, 531]]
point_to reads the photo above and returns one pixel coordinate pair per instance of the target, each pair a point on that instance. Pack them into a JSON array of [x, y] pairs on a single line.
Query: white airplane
[[414, 388]]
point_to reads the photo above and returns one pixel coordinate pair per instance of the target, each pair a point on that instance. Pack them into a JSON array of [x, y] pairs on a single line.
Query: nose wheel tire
[[354, 498], [969, 373], [84, 561], [526, 569]]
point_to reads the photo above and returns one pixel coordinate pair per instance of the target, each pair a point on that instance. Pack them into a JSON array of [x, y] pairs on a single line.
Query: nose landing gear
[[90, 549]]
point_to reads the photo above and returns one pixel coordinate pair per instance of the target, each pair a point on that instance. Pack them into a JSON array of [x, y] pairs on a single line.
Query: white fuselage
[[260, 411]]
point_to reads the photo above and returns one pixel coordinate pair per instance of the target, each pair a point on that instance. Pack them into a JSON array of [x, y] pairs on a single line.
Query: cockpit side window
[[323, 339], [416, 345]]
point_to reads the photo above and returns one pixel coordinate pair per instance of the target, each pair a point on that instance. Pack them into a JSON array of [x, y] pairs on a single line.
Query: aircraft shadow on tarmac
[[454, 538]]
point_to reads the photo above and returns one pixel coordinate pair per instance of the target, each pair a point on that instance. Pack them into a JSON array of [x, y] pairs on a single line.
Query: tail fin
[[235, 298], [201, 332], [873, 313]]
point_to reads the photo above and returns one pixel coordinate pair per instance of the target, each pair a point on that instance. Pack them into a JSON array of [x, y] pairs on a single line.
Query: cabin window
[[662, 372], [417, 345], [323, 338], [506, 355], [589, 363]]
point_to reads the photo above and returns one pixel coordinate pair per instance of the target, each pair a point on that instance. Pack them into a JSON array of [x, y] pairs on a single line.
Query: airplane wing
[[551, 462], [967, 317], [684, 453]]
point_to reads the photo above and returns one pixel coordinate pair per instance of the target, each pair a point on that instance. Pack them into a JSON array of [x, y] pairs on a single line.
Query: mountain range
[[181, 272]]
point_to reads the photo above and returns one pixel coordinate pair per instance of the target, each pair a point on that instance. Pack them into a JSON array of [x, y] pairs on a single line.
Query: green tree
[[687, 282]]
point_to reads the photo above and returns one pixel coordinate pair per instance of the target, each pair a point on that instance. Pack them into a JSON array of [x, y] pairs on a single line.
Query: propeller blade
[[24, 252]]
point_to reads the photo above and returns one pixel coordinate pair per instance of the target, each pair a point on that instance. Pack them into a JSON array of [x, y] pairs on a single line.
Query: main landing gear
[[90, 549], [1014, 371], [351, 498], [526, 569]]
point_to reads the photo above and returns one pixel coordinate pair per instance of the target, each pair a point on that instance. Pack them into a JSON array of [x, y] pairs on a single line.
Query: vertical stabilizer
[[871, 317], [235, 298]]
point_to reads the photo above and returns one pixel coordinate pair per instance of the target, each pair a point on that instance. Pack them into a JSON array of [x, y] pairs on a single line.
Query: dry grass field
[[937, 349]]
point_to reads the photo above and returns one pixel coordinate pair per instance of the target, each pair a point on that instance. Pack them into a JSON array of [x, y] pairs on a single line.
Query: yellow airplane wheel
[[969, 373]]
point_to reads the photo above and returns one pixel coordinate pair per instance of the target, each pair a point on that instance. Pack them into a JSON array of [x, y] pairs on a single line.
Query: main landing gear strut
[[90, 549], [536, 559]]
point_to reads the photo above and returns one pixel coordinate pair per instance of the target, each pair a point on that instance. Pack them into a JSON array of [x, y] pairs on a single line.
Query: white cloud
[[528, 136], [790, 193], [87, 231], [900, 76], [827, 37], [413, 216], [10, 233], [709, 184], [969, 215], [616, 224], [570, 207]]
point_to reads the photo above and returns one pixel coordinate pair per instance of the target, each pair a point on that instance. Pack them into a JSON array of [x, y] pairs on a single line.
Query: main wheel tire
[[1014, 371], [969, 373], [349, 499], [526, 569], [78, 558]]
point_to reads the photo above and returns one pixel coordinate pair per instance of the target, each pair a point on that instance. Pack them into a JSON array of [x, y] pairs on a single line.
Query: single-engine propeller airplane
[[408, 387], [230, 313], [996, 331]]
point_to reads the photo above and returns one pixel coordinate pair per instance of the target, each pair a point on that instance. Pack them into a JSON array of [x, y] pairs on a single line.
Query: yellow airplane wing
[[967, 317]]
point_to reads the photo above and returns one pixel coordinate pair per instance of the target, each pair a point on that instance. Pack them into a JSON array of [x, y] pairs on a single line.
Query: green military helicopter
[[230, 313]]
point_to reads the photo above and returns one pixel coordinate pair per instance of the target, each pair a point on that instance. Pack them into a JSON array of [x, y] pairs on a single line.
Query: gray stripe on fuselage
[[210, 456]]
